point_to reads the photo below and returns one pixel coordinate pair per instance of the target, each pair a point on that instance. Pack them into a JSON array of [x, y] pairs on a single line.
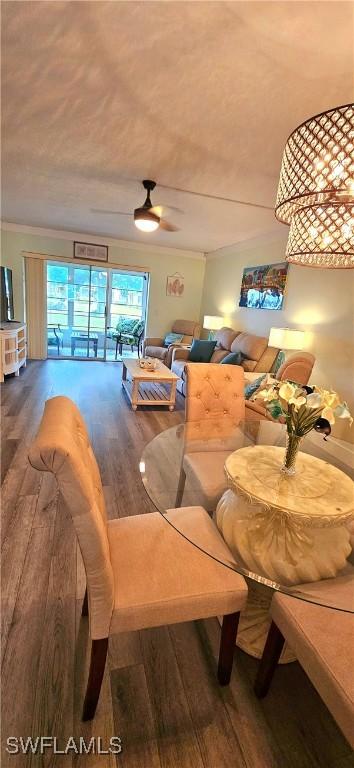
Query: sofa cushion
[[201, 351], [225, 337], [218, 355], [233, 358], [252, 347], [248, 365]]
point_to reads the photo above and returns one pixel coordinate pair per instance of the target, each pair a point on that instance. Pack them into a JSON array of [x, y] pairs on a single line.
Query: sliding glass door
[[94, 312], [76, 310]]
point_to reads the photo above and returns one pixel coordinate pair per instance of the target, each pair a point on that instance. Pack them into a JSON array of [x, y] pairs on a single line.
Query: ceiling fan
[[147, 217]]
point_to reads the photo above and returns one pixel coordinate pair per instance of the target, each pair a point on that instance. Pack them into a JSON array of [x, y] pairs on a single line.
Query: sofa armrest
[[255, 411], [180, 353], [152, 341]]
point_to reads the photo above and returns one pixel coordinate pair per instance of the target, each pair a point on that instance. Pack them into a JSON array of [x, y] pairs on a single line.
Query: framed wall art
[[90, 251], [175, 285], [264, 287]]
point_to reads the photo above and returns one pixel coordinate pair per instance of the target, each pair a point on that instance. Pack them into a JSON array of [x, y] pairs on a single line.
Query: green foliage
[[275, 409]]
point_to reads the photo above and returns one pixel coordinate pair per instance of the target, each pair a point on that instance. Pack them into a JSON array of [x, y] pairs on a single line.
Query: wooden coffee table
[[144, 387]]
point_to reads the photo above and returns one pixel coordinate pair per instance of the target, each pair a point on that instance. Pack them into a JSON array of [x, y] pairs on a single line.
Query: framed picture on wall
[[264, 287], [90, 251], [175, 285]]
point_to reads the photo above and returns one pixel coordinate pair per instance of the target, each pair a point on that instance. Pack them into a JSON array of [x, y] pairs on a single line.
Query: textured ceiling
[[197, 95]]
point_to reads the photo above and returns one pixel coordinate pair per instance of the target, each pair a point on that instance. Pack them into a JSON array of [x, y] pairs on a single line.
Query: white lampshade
[[286, 338], [146, 225], [213, 322]]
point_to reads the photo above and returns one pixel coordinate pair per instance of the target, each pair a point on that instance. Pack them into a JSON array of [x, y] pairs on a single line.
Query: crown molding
[[133, 245], [246, 245]]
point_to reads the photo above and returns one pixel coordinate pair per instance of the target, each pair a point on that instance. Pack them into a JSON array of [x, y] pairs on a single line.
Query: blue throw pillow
[[173, 338], [252, 387], [234, 358], [201, 351]]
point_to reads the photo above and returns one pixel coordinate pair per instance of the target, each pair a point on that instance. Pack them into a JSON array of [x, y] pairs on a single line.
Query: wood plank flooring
[[159, 693]]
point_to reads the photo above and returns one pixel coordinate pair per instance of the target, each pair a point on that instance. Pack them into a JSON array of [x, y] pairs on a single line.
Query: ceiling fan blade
[[160, 210], [115, 213], [167, 226]]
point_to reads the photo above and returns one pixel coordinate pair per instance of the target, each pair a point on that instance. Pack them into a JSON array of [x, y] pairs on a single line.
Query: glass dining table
[[291, 534]]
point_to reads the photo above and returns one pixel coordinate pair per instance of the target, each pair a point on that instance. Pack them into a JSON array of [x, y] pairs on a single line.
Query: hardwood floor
[[160, 693]]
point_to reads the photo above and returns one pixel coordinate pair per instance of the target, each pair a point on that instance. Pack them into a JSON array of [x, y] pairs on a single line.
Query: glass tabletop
[[294, 534]]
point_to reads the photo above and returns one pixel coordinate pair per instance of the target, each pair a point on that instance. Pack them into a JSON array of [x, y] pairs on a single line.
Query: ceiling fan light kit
[[316, 190], [145, 220]]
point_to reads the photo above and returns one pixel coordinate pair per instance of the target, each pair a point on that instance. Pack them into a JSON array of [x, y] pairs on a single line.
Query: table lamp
[[212, 323], [285, 339]]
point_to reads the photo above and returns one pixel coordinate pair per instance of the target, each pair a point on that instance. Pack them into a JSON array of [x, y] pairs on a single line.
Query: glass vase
[[292, 447]]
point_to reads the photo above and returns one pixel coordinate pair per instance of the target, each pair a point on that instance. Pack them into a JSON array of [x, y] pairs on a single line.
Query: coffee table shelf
[[144, 387]]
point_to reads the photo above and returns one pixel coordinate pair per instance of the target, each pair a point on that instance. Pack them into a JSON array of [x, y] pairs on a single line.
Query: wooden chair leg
[[84, 611], [97, 665], [180, 487], [271, 654], [227, 647]]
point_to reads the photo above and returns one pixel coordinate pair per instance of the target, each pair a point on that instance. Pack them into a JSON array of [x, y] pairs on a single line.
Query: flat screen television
[[7, 298]]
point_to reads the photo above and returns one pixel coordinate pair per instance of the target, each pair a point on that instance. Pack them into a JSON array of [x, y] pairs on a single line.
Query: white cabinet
[[13, 348]]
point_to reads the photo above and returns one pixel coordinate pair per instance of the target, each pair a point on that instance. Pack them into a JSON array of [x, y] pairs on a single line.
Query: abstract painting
[[263, 287]]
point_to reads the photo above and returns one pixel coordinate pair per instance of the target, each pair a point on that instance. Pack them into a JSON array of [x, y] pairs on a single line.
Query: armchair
[[127, 331], [154, 346]]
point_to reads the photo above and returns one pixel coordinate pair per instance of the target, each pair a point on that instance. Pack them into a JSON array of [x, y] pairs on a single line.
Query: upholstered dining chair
[[140, 571], [215, 405], [323, 641]]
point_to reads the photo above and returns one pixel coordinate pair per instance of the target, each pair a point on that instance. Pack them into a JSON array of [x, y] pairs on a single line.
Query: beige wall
[[158, 262], [318, 301]]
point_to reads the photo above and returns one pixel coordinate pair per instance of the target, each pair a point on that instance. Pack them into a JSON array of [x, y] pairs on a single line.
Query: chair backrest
[[62, 446], [297, 367], [189, 328], [215, 400]]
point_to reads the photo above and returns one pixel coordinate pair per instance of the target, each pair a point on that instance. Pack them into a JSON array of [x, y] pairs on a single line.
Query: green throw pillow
[[173, 338], [201, 351], [251, 388], [234, 358]]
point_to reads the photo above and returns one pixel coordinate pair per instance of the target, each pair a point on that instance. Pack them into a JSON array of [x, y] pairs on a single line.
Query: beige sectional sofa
[[257, 355]]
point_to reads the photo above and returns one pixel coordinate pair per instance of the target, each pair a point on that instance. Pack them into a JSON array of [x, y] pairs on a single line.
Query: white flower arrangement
[[304, 408]]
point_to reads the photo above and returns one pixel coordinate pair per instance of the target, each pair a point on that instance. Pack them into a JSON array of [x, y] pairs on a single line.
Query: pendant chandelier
[[316, 190]]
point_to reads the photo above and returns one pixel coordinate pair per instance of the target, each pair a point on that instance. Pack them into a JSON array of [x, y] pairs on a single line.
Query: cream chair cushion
[[162, 578], [62, 446], [206, 474], [323, 641]]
